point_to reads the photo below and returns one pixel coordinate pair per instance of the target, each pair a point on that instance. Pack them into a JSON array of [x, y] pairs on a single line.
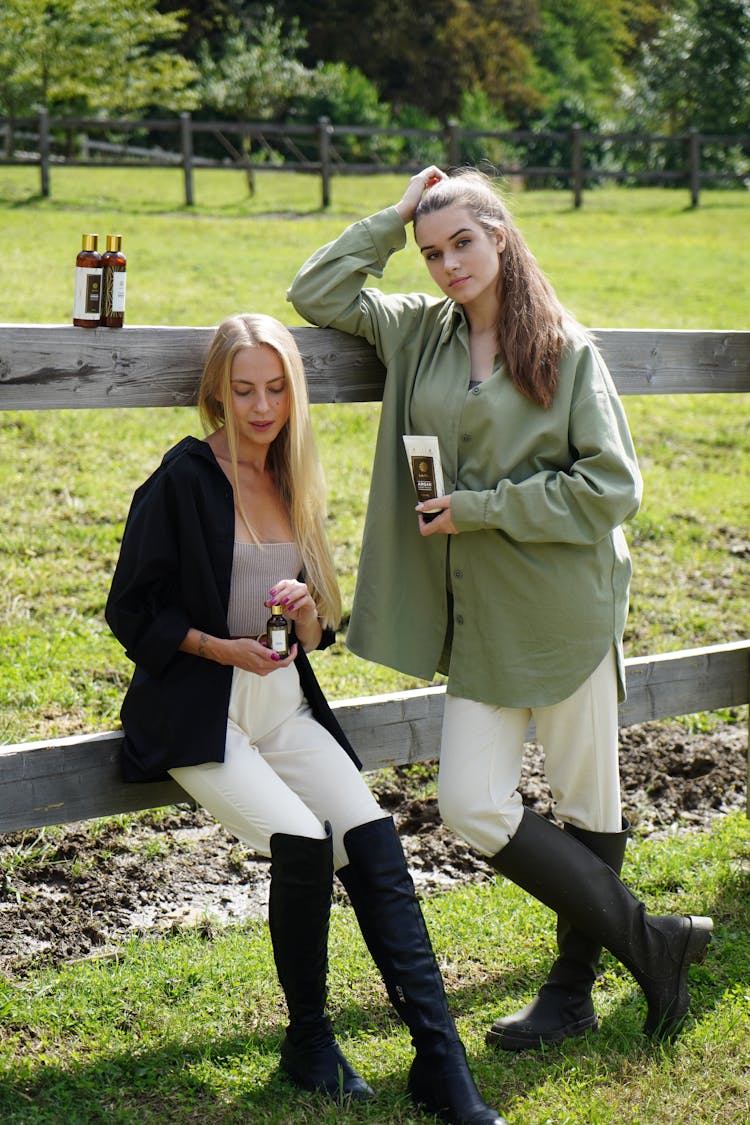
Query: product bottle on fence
[[277, 632], [113, 283], [87, 303]]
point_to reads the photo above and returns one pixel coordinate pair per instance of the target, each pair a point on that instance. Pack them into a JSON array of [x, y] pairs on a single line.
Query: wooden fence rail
[[58, 366], [574, 157]]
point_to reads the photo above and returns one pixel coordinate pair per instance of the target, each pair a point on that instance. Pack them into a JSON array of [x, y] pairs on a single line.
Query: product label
[[118, 291], [113, 299], [423, 452], [277, 635], [88, 294], [423, 471]]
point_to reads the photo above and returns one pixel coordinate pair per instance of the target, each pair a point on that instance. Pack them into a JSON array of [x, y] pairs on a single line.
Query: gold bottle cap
[[114, 241], [276, 610], [89, 241]]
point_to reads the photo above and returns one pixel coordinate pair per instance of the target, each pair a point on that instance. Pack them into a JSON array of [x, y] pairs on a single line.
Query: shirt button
[[459, 619], [458, 574], [465, 437], [475, 390]]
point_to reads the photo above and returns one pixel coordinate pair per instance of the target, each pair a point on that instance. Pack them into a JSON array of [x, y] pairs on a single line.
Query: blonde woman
[[226, 528], [515, 582]]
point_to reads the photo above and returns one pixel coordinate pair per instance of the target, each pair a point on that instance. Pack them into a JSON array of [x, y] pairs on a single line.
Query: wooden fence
[[51, 367], [573, 157]]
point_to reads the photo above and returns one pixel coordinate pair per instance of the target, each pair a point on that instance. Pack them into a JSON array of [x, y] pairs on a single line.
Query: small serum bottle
[[87, 302], [113, 283], [277, 632]]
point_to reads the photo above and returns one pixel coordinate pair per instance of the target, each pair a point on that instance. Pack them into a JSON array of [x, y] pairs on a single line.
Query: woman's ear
[[500, 239]]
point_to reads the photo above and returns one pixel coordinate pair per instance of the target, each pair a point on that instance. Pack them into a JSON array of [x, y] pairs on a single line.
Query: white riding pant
[[282, 770], [482, 752]]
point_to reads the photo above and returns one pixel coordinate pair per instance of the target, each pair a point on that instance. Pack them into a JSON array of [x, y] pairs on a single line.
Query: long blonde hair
[[293, 456], [532, 323]]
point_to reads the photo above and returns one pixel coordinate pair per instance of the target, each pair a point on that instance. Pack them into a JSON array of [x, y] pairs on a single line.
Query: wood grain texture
[[44, 367]]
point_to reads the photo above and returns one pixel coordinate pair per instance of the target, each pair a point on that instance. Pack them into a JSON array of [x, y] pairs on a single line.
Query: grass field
[[185, 1027]]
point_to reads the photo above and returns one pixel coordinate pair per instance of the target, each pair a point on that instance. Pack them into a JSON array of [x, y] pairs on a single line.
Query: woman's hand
[[248, 653], [438, 525], [416, 188], [297, 605], [252, 655]]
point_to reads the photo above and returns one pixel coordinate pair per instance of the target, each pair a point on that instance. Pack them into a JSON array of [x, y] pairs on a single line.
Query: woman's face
[[463, 259], [259, 396]]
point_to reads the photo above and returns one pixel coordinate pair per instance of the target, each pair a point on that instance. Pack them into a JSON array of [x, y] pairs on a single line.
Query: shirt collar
[[453, 318]]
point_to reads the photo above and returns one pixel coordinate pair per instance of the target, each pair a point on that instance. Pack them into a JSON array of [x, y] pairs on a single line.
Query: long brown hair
[[531, 329], [293, 456]]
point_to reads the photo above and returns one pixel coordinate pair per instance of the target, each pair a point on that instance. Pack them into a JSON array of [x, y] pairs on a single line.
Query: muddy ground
[[79, 892]]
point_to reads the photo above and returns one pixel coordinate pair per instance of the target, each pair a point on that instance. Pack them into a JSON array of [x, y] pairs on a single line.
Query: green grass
[[186, 1027]]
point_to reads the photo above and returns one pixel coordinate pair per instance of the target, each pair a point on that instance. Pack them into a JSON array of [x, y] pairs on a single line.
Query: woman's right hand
[[252, 655], [248, 653], [416, 188]]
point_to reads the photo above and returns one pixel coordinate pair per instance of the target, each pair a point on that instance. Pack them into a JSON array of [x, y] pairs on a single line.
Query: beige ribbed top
[[256, 567]]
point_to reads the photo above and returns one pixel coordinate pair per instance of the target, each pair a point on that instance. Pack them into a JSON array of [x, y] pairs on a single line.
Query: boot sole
[[696, 947], [507, 1039]]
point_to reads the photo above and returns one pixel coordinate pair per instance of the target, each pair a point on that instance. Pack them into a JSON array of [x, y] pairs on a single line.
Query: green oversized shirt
[[521, 606]]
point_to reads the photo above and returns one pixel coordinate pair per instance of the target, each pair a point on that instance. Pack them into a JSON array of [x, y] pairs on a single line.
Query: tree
[[721, 59], [427, 55], [256, 73], [86, 55], [695, 72]]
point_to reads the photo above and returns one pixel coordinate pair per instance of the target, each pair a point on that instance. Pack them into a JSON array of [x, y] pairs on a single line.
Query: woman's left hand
[[439, 525], [295, 600]]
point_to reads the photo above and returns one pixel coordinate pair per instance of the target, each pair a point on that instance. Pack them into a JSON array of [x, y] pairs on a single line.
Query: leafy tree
[[695, 72], [721, 59], [488, 48], [256, 74], [578, 52], [427, 55], [68, 55]]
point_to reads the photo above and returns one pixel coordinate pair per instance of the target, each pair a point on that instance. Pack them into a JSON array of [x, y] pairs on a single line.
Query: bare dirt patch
[[83, 890]]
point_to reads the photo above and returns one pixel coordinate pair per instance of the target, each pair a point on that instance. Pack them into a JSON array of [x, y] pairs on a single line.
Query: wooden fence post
[[44, 151], [577, 165], [694, 166], [453, 139], [324, 154], [186, 133]]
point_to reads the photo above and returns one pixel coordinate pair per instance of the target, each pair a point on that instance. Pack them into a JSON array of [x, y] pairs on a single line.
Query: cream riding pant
[[482, 752], [282, 771]]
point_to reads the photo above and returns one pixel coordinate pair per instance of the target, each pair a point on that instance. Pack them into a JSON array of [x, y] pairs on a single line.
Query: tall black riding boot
[[382, 893], [563, 1007], [299, 908], [658, 949]]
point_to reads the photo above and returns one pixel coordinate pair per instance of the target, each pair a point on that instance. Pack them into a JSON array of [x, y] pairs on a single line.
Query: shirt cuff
[[469, 510]]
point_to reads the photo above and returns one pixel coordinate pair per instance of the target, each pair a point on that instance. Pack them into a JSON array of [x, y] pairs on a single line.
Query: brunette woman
[[515, 582]]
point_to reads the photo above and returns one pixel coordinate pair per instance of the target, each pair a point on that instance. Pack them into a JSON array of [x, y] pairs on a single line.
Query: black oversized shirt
[[174, 572]]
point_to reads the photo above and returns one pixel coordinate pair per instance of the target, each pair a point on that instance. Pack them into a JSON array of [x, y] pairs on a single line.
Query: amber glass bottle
[[277, 632], [113, 283], [87, 303]]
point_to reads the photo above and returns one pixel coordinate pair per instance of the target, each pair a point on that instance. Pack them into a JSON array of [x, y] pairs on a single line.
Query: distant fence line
[[315, 149]]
